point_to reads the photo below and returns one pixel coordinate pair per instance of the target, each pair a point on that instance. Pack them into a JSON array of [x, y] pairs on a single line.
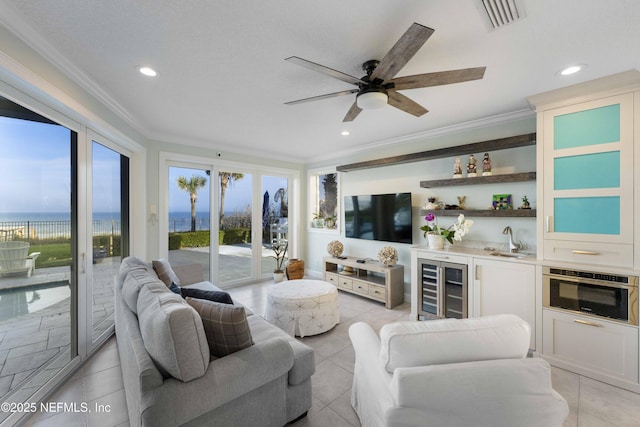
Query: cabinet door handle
[[584, 322], [441, 257], [579, 252], [547, 224], [476, 272]]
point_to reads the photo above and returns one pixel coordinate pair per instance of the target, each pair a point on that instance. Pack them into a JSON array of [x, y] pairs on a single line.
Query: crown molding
[[432, 133]]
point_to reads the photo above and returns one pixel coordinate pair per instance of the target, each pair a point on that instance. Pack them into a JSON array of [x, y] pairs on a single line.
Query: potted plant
[[318, 220], [436, 235], [330, 222], [279, 249]]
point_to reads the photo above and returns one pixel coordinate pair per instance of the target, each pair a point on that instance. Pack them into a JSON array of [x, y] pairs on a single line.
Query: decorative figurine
[[461, 200], [471, 166], [457, 168], [486, 165], [432, 204], [525, 203]]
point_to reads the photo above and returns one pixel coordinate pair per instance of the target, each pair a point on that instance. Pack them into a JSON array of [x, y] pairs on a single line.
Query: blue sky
[[237, 196], [35, 174]]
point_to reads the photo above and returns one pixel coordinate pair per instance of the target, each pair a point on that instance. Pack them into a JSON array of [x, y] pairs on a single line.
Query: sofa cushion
[[172, 333], [225, 326], [165, 272], [304, 364], [216, 296], [407, 344], [135, 280]]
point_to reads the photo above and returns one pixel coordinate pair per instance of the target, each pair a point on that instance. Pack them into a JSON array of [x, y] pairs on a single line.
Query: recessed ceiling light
[[147, 71], [571, 70], [345, 133]]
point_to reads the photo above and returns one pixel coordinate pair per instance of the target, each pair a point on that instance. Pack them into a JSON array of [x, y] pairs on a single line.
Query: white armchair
[[471, 372]]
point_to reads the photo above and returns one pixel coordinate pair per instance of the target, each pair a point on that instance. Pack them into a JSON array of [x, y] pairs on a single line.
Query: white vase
[[436, 241], [278, 277]]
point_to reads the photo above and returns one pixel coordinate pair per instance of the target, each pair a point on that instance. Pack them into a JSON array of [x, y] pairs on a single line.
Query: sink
[[508, 254]]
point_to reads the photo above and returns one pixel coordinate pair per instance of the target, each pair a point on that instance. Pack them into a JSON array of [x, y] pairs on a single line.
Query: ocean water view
[[46, 225]]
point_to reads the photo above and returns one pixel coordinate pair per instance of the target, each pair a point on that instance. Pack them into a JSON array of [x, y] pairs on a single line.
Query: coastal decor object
[[455, 231], [335, 248], [388, 256], [461, 200], [486, 165], [471, 166], [295, 269], [378, 88], [433, 204], [457, 168], [502, 201]]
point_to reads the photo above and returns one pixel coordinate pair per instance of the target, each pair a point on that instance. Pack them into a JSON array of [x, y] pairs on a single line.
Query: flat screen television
[[384, 217]]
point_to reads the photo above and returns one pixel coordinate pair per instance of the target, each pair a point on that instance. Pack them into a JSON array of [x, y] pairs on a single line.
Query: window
[[324, 200]]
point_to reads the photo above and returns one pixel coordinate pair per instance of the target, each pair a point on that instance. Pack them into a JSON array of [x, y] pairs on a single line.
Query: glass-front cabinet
[[588, 181]]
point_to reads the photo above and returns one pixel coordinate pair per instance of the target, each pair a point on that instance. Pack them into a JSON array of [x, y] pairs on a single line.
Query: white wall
[[407, 177]]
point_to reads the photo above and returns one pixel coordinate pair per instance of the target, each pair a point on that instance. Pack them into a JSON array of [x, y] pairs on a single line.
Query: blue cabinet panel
[[591, 215], [588, 127], [598, 170]]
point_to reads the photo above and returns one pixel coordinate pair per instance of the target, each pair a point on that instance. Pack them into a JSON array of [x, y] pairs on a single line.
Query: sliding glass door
[[275, 221], [109, 232], [64, 209], [235, 226], [189, 217], [246, 211], [38, 235]]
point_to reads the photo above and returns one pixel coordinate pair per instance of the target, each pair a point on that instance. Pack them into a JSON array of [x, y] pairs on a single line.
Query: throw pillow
[[175, 289], [216, 296], [225, 326], [165, 272]]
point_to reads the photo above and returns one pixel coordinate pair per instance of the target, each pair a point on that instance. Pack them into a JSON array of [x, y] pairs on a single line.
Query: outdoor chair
[[14, 258]]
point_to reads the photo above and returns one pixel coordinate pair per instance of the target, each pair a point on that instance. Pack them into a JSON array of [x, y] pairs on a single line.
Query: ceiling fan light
[[372, 100]]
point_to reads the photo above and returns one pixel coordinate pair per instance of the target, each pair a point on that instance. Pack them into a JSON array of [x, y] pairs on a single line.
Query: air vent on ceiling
[[502, 12]]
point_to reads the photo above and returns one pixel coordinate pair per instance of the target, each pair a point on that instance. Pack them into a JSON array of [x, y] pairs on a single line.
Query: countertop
[[528, 259]]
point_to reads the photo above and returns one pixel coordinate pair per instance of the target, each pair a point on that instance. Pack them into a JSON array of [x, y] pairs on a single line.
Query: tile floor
[[99, 381]]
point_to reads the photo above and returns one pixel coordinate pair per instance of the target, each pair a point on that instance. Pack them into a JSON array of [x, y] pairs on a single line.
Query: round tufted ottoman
[[303, 307]]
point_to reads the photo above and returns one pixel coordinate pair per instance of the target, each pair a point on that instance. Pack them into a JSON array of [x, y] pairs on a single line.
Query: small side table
[[303, 307]]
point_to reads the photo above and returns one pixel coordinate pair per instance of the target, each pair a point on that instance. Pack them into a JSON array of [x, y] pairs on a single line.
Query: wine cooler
[[442, 289]]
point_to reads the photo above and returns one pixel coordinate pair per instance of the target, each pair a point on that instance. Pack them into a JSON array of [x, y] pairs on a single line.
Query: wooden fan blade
[[402, 52], [324, 70], [352, 113], [405, 104], [328, 95], [439, 78]]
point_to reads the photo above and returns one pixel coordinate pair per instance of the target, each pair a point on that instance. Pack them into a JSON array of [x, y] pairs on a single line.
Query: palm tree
[[226, 178], [192, 186]]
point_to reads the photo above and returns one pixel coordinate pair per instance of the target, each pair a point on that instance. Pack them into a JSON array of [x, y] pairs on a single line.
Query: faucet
[[513, 246]]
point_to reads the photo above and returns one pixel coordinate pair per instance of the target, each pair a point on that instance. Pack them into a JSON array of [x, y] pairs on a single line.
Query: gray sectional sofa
[[169, 376]]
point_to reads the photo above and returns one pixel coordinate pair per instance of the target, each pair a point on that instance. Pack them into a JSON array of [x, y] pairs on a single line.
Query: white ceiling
[[223, 80]]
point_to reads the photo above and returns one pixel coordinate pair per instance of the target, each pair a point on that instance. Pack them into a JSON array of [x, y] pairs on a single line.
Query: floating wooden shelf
[[493, 179], [474, 148], [486, 213]]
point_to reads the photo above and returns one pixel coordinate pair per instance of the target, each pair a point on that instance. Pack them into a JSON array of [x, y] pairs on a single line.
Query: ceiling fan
[[378, 87]]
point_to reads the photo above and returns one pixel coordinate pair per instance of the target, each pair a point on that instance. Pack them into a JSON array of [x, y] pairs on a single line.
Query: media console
[[369, 279]]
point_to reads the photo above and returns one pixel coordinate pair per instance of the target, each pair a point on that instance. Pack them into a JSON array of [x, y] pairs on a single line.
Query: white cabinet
[[600, 349], [504, 287], [585, 165]]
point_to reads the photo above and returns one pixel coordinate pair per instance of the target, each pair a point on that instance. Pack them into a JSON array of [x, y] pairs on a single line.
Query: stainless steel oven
[[609, 296]]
